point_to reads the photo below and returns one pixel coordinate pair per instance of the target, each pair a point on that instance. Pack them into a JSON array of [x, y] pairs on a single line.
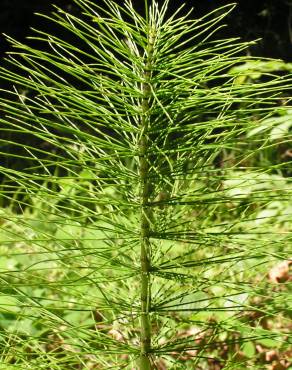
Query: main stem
[[146, 212]]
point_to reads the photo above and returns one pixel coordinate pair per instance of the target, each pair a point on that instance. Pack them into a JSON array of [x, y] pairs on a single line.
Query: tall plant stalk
[[146, 213], [139, 218]]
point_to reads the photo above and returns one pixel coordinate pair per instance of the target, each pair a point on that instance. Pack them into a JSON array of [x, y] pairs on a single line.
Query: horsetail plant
[[136, 228]]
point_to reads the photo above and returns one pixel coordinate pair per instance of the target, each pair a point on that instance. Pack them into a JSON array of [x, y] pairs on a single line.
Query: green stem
[[146, 214]]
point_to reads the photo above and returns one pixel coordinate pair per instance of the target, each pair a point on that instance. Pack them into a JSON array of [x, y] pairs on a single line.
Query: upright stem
[[146, 213]]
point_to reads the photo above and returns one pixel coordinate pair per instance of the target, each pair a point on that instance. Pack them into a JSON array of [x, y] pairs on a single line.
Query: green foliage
[[140, 231], [254, 69]]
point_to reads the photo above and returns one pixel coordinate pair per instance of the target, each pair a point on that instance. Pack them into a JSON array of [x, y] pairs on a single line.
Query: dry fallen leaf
[[117, 335], [277, 366], [271, 356], [281, 272]]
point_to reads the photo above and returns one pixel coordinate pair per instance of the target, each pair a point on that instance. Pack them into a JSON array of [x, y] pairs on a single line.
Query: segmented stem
[[146, 212]]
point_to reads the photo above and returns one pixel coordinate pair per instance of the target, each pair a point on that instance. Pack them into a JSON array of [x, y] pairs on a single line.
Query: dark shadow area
[[269, 20]]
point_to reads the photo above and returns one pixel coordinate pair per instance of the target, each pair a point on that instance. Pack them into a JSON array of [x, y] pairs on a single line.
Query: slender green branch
[[146, 213]]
